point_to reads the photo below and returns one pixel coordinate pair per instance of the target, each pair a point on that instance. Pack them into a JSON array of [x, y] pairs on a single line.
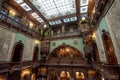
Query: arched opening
[[33, 76], [79, 76], [52, 75], [35, 53], [95, 55], [65, 75], [94, 75], [65, 51], [17, 52], [26, 74], [109, 49]]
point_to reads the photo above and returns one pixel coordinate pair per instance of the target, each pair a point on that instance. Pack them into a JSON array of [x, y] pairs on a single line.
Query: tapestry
[[28, 50], [6, 44]]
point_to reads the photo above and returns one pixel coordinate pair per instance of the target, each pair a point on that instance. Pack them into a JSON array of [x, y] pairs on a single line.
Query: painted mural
[[28, 50], [6, 44]]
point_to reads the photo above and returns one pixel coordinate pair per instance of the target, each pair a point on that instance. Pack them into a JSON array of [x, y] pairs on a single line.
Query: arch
[[65, 75], [35, 52], [95, 74], [17, 52], [109, 48], [52, 74], [64, 47], [79, 76]]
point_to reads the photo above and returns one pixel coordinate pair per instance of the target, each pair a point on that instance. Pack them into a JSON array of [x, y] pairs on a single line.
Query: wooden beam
[[35, 9], [62, 17], [78, 7]]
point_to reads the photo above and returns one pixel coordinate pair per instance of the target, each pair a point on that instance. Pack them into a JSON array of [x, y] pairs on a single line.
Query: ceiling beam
[[62, 17], [77, 7], [35, 9]]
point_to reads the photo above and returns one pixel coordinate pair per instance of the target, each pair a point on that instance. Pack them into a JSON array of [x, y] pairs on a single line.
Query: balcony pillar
[[63, 28]]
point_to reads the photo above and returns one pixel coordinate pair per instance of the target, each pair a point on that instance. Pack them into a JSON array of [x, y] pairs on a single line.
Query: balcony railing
[[63, 35], [7, 66], [66, 61], [12, 23]]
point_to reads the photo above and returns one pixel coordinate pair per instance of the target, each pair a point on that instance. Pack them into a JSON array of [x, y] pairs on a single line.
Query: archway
[[65, 75], [65, 51], [35, 53], [95, 55], [79, 76], [94, 75], [109, 49], [17, 52], [33, 76], [52, 75]]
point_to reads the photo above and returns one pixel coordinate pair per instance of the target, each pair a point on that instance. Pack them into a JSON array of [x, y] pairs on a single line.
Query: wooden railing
[[68, 61], [12, 23], [8, 66], [63, 35]]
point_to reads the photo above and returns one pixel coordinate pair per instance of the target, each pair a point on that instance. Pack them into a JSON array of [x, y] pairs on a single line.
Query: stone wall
[[99, 43], [113, 21], [6, 44]]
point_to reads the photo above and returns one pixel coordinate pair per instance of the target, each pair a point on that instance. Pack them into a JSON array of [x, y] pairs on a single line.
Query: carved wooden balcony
[[66, 61], [63, 35], [10, 23]]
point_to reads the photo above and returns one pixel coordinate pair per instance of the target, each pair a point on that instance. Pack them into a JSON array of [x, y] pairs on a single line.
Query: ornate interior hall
[[59, 39]]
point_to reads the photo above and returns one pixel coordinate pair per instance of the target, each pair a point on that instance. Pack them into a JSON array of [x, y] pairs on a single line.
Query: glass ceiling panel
[[84, 2], [18, 1], [55, 8], [25, 7], [52, 23], [73, 18], [35, 15], [40, 20], [84, 9], [58, 22], [66, 20]]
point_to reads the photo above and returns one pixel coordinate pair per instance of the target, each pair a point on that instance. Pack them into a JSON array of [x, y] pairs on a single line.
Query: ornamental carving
[[75, 42], [54, 44]]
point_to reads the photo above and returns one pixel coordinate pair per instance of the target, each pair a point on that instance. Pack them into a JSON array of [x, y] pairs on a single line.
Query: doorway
[[35, 53], [17, 52], [95, 55], [109, 49]]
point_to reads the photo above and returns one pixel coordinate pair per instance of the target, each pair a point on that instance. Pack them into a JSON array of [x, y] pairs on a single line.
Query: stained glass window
[[84, 9], [18, 1], [25, 7]]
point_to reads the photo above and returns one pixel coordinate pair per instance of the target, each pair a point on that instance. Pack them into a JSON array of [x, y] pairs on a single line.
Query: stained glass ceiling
[[55, 8]]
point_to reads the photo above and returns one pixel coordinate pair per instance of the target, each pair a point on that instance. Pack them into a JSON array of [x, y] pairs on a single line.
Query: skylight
[[73, 18], [18, 1], [35, 15], [70, 19], [55, 8], [58, 22], [66, 20], [52, 23], [84, 2], [84, 9], [25, 7], [40, 19]]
